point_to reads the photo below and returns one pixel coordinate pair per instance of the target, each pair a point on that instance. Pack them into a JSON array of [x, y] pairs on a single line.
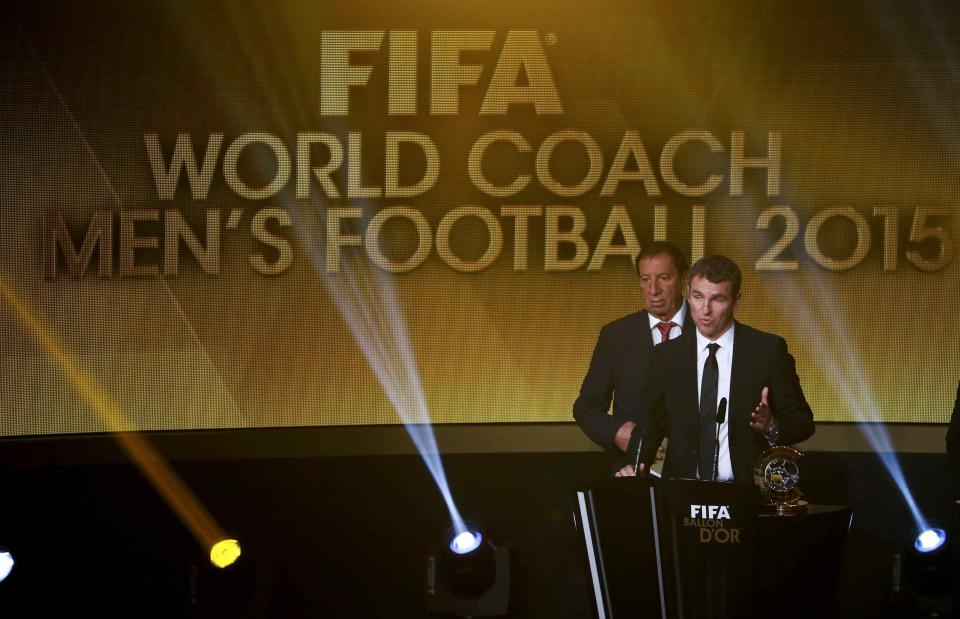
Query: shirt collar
[[725, 340], [677, 318]]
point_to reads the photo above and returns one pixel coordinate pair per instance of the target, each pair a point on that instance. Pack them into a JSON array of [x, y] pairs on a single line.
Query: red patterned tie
[[665, 330]]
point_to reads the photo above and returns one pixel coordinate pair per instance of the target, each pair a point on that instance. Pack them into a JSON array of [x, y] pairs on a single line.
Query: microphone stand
[[721, 417], [636, 442]]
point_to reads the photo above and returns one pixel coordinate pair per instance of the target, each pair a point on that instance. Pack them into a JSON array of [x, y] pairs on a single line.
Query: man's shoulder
[[756, 337], [630, 322]]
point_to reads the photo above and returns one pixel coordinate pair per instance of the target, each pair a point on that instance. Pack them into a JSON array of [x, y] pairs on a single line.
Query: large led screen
[[239, 215]]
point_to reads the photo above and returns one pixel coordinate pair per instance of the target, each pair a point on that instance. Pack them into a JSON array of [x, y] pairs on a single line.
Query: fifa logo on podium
[[713, 512], [711, 522]]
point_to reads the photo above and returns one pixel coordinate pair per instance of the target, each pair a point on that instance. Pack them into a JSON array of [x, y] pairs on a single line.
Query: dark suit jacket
[[670, 401], [953, 443], [617, 372]]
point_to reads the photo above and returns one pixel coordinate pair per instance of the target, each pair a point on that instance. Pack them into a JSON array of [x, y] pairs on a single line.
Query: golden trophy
[[778, 476]]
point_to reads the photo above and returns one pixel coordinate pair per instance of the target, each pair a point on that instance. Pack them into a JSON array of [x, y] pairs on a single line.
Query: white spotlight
[[466, 542], [929, 540], [469, 577], [6, 563]]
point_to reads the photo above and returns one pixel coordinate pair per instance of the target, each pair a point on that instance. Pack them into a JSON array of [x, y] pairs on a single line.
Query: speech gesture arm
[[762, 416]]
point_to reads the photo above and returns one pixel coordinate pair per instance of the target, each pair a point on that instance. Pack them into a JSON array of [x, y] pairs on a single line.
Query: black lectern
[[695, 549], [709, 534], [617, 520]]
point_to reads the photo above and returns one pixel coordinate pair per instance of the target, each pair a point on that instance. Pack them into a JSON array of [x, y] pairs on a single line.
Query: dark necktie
[[708, 411], [665, 330]]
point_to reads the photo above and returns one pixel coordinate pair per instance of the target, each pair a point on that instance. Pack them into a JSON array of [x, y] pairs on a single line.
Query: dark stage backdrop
[[222, 215]]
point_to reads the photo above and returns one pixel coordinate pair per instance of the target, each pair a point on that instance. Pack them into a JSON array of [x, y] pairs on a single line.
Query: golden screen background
[[861, 99]]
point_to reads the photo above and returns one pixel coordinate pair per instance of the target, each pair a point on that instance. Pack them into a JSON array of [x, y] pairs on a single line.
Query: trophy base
[[798, 506]]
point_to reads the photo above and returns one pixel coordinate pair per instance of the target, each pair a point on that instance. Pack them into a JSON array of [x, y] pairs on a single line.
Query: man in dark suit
[[953, 443], [720, 359], [624, 349]]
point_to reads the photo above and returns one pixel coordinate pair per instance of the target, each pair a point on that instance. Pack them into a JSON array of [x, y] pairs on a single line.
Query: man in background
[[624, 348]]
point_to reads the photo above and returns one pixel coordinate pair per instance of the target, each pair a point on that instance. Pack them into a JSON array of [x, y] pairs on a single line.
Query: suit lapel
[[687, 320], [742, 402], [688, 373], [689, 361], [645, 335], [687, 405]]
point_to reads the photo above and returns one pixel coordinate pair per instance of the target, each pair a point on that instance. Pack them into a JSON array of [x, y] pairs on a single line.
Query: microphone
[[636, 442], [721, 417]]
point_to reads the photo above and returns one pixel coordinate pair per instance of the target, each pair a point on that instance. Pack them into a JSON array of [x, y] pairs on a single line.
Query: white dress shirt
[[675, 331], [724, 364]]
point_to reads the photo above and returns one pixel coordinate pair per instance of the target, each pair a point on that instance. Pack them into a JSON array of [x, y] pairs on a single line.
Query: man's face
[[661, 285], [711, 306]]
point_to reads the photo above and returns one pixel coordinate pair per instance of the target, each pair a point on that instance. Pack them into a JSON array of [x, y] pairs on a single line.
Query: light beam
[[153, 466]]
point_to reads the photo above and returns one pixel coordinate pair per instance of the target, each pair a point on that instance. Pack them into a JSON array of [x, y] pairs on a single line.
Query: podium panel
[[695, 549], [709, 535], [616, 520]]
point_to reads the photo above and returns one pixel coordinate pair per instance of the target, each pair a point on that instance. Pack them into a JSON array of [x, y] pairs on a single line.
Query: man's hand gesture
[[762, 417]]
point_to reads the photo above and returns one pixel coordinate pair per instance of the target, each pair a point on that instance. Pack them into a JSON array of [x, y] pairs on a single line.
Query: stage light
[[925, 576], [225, 552], [466, 542], [469, 577], [6, 563], [929, 540], [469, 568]]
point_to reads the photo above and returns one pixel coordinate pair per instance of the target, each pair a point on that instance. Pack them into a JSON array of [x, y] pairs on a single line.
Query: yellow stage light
[[224, 552]]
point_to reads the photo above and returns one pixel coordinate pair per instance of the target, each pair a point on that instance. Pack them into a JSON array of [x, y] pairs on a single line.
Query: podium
[[619, 530], [696, 549]]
